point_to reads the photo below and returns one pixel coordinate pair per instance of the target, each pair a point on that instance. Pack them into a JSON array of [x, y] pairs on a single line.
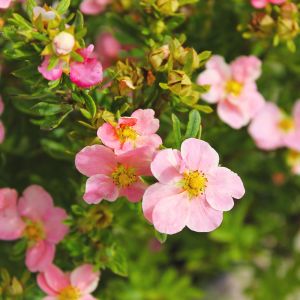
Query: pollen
[[286, 124], [34, 231], [194, 183], [127, 133], [124, 176], [233, 87], [69, 293]]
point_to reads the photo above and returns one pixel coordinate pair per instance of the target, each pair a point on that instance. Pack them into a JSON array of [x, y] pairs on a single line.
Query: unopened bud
[[63, 43], [179, 83], [159, 57], [167, 7]]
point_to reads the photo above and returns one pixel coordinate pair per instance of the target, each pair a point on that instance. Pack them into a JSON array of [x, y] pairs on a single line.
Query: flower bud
[[63, 43], [167, 7], [288, 10], [159, 57], [287, 28], [179, 83], [262, 24]]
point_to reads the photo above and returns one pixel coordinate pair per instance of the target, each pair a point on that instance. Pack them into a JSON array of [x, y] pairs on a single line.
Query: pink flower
[[4, 4], [192, 189], [111, 175], [233, 87], [131, 132], [107, 49], [272, 128], [93, 7], [53, 74], [36, 219], [2, 130], [77, 285], [87, 73], [263, 3]]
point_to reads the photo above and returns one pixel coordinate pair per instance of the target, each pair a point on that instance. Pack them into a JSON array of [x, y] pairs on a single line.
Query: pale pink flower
[[93, 7], [192, 189], [4, 4], [129, 133], [108, 49], [263, 3], [111, 175], [53, 74], [2, 129], [36, 219], [233, 87], [87, 73], [77, 285], [272, 128]]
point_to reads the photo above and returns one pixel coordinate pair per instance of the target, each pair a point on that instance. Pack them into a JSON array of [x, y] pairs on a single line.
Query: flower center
[[286, 124], [194, 183], [34, 231], [69, 293], [127, 133], [233, 87], [124, 176]]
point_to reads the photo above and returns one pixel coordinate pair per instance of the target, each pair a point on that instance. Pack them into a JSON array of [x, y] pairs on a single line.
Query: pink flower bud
[[63, 43]]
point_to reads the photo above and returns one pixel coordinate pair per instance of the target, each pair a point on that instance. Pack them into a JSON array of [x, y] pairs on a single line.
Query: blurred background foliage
[[256, 251]]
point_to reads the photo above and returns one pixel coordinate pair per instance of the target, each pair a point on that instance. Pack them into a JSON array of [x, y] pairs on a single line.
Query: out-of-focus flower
[[129, 133], [35, 218], [263, 3], [293, 160], [77, 285], [2, 130], [192, 191], [111, 175], [4, 4], [108, 49], [87, 73], [46, 15], [272, 128], [233, 87], [94, 7]]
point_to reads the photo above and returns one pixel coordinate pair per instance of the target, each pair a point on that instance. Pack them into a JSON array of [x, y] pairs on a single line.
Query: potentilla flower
[[35, 218], [2, 130], [77, 285], [87, 73], [293, 160], [272, 128], [129, 133], [192, 189], [263, 3], [94, 7], [233, 87], [111, 175]]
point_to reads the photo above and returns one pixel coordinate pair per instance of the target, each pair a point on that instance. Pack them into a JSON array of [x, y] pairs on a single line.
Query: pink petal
[[246, 68], [99, 187], [40, 256], [139, 159], [292, 140], [55, 229], [52, 74], [35, 203], [134, 192], [217, 63], [90, 7], [55, 279], [278, 2], [127, 121], [202, 217], [11, 225], [96, 159], [264, 128], [85, 279], [5, 4], [42, 283], [146, 123], [107, 47], [154, 194], [165, 166], [252, 101], [259, 3], [171, 213], [153, 141], [199, 155], [2, 132], [222, 185], [108, 136], [232, 115]]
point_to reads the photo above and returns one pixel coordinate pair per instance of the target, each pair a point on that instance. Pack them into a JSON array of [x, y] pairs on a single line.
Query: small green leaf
[[63, 6], [161, 237], [176, 130], [77, 57], [194, 124], [29, 5], [205, 55], [204, 108], [90, 105], [164, 86], [54, 60], [50, 109]]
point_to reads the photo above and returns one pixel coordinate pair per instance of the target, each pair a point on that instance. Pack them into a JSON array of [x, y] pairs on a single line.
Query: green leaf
[[203, 56], [79, 21], [204, 108], [77, 57], [194, 124], [20, 21], [176, 130], [54, 60], [50, 109], [29, 5], [161, 237], [90, 105], [117, 261], [63, 6]]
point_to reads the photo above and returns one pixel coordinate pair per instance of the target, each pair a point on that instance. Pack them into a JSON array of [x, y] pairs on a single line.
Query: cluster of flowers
[[34, 217], [192, 189]]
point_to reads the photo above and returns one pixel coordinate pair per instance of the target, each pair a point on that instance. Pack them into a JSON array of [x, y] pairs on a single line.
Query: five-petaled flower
[[192, 189]]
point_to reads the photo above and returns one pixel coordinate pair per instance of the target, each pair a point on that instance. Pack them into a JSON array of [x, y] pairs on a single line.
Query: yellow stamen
[[124, 176], [194, 183], [69, 293], [126, 133], [286, 124], [233, 87], [34, 231]]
